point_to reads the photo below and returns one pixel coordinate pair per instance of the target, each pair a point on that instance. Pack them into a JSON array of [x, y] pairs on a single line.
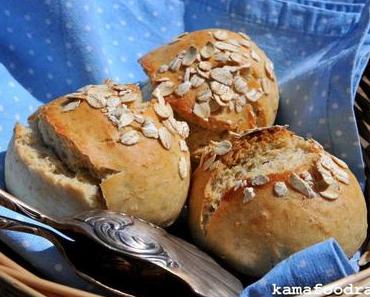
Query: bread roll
[[101, 148], [217, 80], [259, 198], [36, 175]]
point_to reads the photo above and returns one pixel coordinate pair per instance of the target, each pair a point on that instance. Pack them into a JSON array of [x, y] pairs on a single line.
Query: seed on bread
[[325, 175], [339, 162], [164, 89], [130, 137], [222, 75], [162, 79], [205, 65], [176, 63], [221, 148], [233, 42], [332, 192], [183, 145], [72, 105], [207, 51], [245, 43], [163, 68], [190, 56], [301, 186], [306, 175], [269, 69], [240, 184], [218, 100], [226, 46], [228, 97], [280, 189], [126, 118], [149, 129], [113, 102], [238, 58], [265, 86], [96, 101], [240, 85], [248, 194], [196, 81], [255, 56], [222, 57], [165, 137], [219, 88], [259, 180], [181, 127], [202, 110], [169, 126], [78, 95], [128, 97], [187, 74], [183, 88], [183, 167], [220, 35], [139, 118], [203, 74], [204, 94], [253, 95], [342, 176], [328, 163], [245, 36]]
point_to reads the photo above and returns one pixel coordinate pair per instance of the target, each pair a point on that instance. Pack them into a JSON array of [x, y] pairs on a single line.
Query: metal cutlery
[[144, 256]]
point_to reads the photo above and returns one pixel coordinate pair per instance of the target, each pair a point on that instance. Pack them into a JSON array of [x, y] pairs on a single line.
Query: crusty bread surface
[[215, 79], [136, 164], [35, 174], [269, 194]]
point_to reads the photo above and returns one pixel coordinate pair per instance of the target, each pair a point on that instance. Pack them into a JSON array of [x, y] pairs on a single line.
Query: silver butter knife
[[139, 247]]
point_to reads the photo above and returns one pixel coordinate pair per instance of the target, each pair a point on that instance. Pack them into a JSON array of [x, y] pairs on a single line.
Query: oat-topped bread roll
[[101, 148], [215, 79], [259, 198]]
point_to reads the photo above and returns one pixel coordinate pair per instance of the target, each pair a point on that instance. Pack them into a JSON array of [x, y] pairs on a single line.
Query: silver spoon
[[140, 244]]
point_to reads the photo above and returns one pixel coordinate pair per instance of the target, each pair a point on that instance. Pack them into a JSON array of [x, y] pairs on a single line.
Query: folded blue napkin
[[319, 48], [301, 270]]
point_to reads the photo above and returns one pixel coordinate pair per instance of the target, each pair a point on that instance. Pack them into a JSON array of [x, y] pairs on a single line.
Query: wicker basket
[[17, 281]]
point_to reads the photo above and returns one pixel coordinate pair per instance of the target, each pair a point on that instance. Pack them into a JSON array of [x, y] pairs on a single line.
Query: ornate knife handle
[[9, 201], [15, 225], [121, 232]]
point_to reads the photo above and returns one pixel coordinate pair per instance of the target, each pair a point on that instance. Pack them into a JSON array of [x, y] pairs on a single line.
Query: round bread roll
[[269, 193], [102, 148], [217, 80]]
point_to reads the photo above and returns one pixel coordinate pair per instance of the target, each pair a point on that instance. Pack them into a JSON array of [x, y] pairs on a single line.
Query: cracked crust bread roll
[[261, 197], [217, 81], [102, 148]]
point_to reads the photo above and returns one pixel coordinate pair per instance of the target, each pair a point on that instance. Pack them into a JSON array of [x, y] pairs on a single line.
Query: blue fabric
[[319, 48], [302, 270]]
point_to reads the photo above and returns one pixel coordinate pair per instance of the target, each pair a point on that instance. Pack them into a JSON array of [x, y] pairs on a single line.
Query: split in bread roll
[[216, 80], [102, 148], [269, 193]]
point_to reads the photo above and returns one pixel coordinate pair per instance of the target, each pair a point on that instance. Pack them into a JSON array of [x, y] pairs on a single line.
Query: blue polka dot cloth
[[52, 47]]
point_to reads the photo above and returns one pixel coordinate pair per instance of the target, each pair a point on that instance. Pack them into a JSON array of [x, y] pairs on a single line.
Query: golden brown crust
[[142, 179], [87, 139], [255, 234], [35, 174], [259, 113]]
